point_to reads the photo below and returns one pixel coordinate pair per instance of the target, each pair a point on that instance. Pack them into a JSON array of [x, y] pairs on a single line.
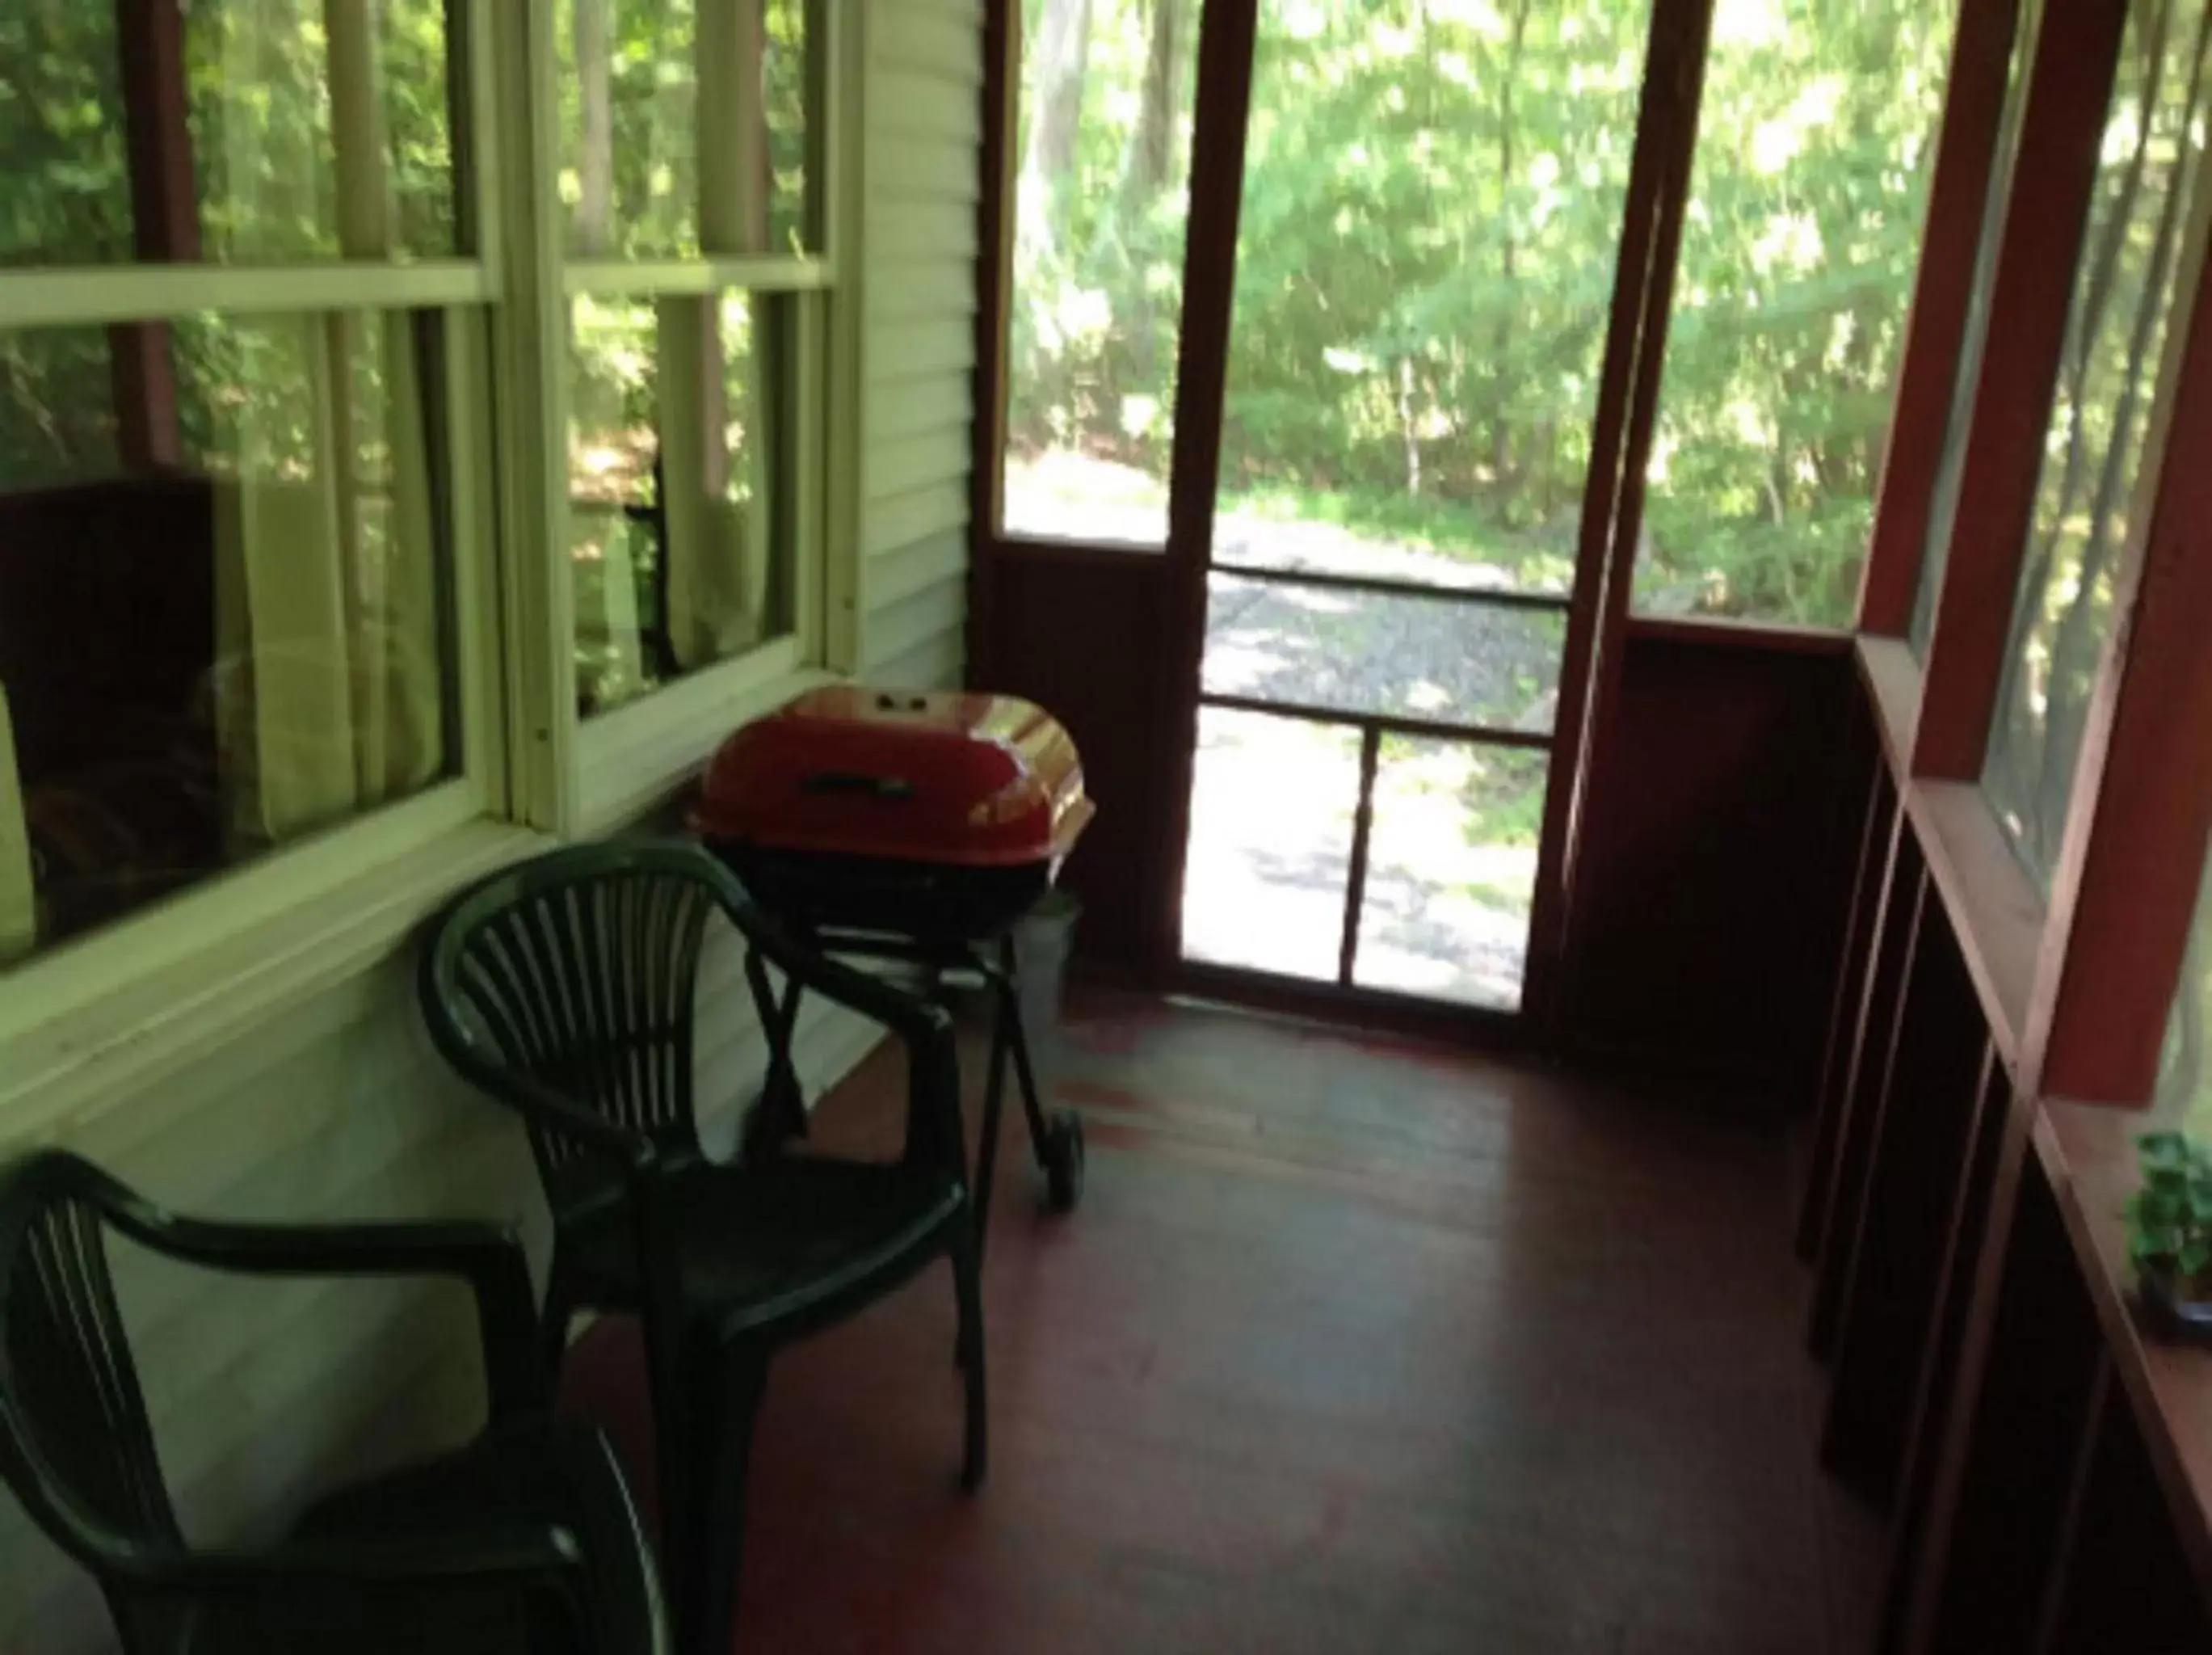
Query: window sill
[[134, 1003], [1994, 909], [1892, 678], [637, 757]]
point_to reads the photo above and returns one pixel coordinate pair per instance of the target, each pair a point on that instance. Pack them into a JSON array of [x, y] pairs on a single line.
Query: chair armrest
[[915, 1019], [539, 1562], [922, 1025], [517, 1553], [544, 1105], [487, 1258]]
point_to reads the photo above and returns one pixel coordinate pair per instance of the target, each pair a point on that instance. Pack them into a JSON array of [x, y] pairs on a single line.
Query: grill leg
[[995, 1103], [1009, 1021], [1055, 1141]]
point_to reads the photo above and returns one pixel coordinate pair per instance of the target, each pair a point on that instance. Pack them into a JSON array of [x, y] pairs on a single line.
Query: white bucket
[[1043, 939]]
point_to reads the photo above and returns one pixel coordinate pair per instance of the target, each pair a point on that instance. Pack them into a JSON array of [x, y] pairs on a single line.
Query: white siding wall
[[924, 115], [262, 1393]]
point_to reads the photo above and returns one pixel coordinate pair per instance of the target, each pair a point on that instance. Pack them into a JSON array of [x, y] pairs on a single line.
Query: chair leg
[[553, 1322], [726, 1396], [673, 1437], [968, 1285]]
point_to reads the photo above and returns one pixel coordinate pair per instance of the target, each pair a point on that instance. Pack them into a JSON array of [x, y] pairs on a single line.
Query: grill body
[[941, 817]]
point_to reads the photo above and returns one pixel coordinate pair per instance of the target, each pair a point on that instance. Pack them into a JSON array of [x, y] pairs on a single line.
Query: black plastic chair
[[526, 1540], [566, 988]]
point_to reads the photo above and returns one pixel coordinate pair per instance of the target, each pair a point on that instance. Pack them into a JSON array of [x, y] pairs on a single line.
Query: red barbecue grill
[[892, 825]]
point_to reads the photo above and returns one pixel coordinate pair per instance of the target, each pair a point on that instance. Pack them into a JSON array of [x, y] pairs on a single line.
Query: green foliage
[[61, 134], [629, 104], [257, 114], [1431, 214], [2170, 1217], [2124, 301]]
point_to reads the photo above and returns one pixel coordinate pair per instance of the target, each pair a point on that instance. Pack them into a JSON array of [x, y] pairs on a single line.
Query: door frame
[[1597, 602]]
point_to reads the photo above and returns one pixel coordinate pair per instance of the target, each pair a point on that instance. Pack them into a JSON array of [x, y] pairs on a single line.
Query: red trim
[[1620, 447], [1973, 118], [1228, 34], [2124, 894], [2056, 177]]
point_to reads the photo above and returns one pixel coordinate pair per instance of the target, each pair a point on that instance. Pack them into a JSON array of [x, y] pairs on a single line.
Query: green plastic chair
[[524, 1541], [566, 989]]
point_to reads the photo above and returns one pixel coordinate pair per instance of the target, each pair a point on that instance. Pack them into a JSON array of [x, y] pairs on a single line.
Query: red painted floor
[[1350, 1349]]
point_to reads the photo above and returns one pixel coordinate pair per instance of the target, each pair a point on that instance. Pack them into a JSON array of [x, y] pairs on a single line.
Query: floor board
[[1352, 1347]]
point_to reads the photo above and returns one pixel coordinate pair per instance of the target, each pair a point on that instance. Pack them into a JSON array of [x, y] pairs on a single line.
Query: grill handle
[[857, 782]]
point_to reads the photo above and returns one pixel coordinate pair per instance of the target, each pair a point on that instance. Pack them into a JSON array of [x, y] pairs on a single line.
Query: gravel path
[[1469, 663]]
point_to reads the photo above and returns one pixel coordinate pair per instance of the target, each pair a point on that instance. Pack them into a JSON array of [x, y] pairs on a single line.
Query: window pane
[[1451, 870], [1489, 665], [1432, 219], [224, 612], [783, 78], [628, 80], [68, 199], [2108, 376], [297, 139], [313, 142], [673, 533], [2184, 1082], [1944, 504], [1815, 142], [655, 170], [1270, 851], [1106, 101]]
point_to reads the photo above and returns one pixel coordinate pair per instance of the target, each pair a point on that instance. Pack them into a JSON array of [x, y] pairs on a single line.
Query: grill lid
[[970, 780]]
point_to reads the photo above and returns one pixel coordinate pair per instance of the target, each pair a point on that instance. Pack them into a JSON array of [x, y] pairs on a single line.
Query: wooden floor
[[1352, 1348]]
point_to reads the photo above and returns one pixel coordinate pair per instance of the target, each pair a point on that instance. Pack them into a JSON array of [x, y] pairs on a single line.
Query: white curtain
[[713, 402], [328, 681], [19, 909], [714, 470]]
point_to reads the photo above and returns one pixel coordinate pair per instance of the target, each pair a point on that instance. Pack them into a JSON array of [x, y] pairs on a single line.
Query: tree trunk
[[596, 167], [1406, 427], [1501, 379], [1144, 174], [1060, 56], [1151, 155]]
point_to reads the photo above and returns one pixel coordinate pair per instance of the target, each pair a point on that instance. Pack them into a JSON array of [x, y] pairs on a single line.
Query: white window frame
[[95, 1017], [576, 777]]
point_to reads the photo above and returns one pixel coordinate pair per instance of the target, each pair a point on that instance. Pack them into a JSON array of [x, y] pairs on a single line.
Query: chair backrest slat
[[579, 972], [76, 1440]]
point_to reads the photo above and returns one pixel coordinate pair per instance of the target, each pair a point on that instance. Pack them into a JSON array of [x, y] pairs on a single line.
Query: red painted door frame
[[1597, 606]]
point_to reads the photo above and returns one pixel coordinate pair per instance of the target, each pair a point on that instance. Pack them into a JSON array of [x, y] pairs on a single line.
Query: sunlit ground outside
[[1451, 870], [1438, 660], [1452, 857], [1270, 842], [1065, 495]]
